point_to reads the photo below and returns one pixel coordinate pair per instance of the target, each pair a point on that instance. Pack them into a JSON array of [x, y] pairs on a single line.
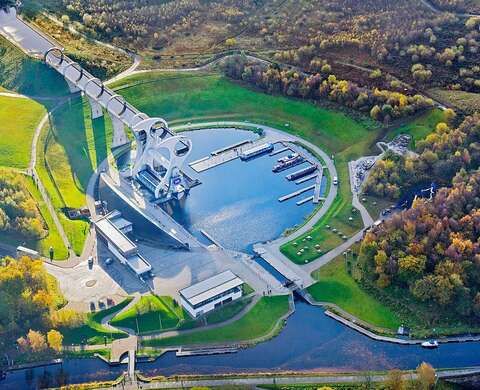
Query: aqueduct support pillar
[[119, 135], [72, 86], [96, 108]]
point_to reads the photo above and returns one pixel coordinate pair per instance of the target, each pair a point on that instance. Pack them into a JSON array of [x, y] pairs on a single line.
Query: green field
[[18, 118], [151, 313], [194, 97], [336, 286], [258, 322], [93, 332]]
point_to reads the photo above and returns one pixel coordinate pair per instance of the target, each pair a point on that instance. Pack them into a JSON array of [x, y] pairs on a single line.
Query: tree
[[55, 340], [426, 375], [36, 340], [449, 115], [231, 42], [395, 380], [375, 112]]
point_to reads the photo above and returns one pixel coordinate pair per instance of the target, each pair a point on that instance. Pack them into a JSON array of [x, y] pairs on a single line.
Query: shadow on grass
[[70, 132]]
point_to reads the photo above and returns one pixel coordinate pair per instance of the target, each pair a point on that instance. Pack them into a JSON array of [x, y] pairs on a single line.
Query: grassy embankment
[[151, 313], [258, 322], [154, 314], [382, 309], [71, 148], [335, 285], [93, 332], [19, 118]]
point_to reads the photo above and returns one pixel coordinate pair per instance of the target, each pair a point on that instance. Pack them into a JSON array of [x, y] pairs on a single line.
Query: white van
[[335, 181]]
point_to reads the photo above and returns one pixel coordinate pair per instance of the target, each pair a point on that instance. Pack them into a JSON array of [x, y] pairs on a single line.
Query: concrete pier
[[96, 108], [296, 193], [275, 152], [227, 154], [318, 186], [306, 178], [306, 200], [205, 351]]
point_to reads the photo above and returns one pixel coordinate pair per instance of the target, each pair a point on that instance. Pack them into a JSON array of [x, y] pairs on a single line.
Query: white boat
[[430, 344], [291, 156]]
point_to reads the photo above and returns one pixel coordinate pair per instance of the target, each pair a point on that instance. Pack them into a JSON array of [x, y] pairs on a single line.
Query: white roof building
[[211, 293]]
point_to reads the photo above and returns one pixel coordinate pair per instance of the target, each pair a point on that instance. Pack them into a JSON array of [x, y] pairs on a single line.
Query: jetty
[[296, 193]]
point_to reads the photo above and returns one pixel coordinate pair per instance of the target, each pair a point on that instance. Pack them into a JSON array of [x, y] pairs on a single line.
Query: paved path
[[106, 320]]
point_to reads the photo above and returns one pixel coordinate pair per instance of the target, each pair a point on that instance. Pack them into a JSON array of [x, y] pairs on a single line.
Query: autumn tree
[[426, 376], [395, 381], [55, 340], [36, 341]]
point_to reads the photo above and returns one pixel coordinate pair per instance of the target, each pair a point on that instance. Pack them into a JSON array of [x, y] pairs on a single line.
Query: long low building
[[209, 294], [120, 245]]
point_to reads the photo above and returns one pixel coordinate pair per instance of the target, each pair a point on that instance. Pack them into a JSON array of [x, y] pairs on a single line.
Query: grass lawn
[[336, 286], [221, 314], [18, 118], [93, 332], [421, 126], [258, 322], [196, 96], [151, 313]]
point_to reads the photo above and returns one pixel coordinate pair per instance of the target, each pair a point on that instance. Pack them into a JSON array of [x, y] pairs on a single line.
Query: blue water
[[313, 341], [237, 202]]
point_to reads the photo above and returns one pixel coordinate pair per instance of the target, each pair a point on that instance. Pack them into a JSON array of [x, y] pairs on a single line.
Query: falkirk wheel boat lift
[[159, 156], [156, 176]]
